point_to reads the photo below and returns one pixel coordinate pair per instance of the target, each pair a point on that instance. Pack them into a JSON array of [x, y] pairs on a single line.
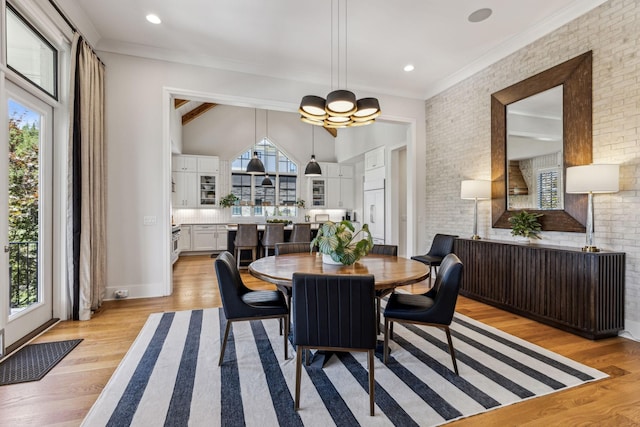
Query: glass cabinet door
[[207, 188], [318, 193]]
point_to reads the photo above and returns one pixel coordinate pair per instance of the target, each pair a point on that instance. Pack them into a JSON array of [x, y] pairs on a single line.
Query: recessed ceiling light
[[480, 15], [153, 18], [409, 67]]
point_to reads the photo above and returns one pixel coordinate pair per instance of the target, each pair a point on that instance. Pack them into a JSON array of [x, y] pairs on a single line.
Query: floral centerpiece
[[339, 245]]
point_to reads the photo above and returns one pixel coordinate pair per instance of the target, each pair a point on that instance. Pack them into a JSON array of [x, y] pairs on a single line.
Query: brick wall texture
[[458, 135]]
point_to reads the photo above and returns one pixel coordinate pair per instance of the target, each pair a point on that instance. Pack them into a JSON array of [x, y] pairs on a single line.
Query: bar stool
[[273, 233], [301, 233], [246, 239]]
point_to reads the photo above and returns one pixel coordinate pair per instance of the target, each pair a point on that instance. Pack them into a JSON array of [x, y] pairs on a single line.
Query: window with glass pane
[[267, 200], [31, 55], [548, 197], [287, 190]]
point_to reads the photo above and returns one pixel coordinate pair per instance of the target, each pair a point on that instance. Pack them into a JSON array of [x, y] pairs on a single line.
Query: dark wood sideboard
[[579, 292]]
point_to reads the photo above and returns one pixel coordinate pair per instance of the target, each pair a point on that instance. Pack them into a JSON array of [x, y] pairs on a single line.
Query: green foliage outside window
[[23, 211]]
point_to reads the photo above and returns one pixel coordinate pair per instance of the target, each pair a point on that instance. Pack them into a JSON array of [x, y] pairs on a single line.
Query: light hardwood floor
[[65, 395]]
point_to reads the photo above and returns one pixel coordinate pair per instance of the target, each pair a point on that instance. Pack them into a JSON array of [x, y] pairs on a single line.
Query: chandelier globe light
[[341, 108]]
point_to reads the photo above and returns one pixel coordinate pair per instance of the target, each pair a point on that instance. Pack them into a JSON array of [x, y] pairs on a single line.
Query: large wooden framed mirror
[[566, 212]]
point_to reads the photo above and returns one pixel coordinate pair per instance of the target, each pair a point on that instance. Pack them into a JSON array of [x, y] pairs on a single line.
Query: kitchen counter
[[261, 227]]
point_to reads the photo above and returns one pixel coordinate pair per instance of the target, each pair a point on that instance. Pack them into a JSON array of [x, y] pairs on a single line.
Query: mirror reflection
[[535, 152]]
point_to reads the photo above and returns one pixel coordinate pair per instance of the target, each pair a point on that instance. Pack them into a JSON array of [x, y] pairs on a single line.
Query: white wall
[[458, 138], [138, 149], [227, 131]]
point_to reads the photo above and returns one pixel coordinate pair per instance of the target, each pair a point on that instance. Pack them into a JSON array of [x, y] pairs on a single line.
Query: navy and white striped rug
[[170, 377]]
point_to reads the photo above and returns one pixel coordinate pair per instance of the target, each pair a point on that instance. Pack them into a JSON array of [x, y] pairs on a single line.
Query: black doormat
[[33, 361]]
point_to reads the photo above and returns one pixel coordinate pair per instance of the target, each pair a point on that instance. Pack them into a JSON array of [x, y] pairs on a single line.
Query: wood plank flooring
[[65, 395]]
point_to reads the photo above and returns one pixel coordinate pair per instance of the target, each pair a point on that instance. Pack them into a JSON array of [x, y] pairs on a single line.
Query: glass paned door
[[28, 217]]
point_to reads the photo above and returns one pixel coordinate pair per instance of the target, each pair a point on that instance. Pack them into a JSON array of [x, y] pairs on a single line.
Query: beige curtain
[[87, 183]]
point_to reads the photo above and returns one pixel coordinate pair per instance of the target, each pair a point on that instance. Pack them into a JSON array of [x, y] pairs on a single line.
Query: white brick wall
[[458, 135]]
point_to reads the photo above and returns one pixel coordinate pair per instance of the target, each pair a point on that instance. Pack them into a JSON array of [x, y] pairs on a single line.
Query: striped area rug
[[170, 377]]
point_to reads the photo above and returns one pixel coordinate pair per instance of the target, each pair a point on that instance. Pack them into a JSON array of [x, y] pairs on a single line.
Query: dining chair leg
[[224, 342], [286, 337], [385, 347], [300, 350], [378, 315], [451, 350], [372, 383]]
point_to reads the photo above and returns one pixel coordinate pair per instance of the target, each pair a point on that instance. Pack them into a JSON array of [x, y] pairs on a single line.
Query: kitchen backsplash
[[223, 216]]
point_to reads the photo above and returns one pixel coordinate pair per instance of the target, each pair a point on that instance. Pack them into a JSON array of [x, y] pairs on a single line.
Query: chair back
[[295, 247], [273, 233], [442, 245], [231, 286], [300, 233], [247, 235], [334, 311], [445, 290], [391, 250]]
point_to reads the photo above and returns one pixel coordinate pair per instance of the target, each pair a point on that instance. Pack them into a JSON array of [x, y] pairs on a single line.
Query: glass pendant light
[[255, 166], [313, 168]]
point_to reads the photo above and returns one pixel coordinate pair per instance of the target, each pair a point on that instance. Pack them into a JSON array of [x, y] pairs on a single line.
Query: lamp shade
[[267, 181], [341, 102], [255, 166], [595, 178], [313, 168], [475, 189]]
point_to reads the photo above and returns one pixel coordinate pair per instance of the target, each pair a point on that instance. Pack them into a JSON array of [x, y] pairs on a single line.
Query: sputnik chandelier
[[340, 109]]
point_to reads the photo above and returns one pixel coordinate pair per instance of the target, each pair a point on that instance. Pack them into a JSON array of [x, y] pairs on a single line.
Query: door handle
[[372, 210]]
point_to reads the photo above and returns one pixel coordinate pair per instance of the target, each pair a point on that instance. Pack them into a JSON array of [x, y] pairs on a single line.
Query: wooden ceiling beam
[[191, 115], [179, 102], [332, 131]]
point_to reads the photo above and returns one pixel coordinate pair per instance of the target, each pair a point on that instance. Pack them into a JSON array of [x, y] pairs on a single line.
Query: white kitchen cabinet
[[184, 163], [338, 187], [346, 171], [207, 190], [337, 170], [184, 243], [374, 159], [209, 237], [318, 192], [208, 164], [346, 193], [185, 185], [340, 193]]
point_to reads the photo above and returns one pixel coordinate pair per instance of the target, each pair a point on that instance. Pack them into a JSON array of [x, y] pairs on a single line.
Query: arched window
[[278, 199]]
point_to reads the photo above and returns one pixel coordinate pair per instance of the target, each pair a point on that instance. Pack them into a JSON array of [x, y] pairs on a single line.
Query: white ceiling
[[291, 39]]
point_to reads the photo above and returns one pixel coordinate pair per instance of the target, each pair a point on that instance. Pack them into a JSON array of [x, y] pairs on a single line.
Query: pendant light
[[313, 168], [340, 109], [255, 166], [266, 182]]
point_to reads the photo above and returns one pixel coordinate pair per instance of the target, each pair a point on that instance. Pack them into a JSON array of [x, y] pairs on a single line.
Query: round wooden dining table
[[388, 271]]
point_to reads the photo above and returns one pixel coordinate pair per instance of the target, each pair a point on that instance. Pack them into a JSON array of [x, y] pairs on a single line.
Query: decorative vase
[[326, 259]]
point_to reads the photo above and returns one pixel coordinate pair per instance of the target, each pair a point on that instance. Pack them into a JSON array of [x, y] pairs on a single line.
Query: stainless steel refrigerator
[[373, 209]]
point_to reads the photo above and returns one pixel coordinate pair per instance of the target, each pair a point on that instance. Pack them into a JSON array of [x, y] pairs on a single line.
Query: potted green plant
[[526, 224], [339, 245], [229, 200]]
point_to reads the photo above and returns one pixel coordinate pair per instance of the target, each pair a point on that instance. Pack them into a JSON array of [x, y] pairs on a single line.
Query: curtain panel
[[86, 215]]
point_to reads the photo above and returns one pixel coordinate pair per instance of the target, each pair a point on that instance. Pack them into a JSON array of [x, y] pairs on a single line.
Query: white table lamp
[[475, 189], [591, 179]]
